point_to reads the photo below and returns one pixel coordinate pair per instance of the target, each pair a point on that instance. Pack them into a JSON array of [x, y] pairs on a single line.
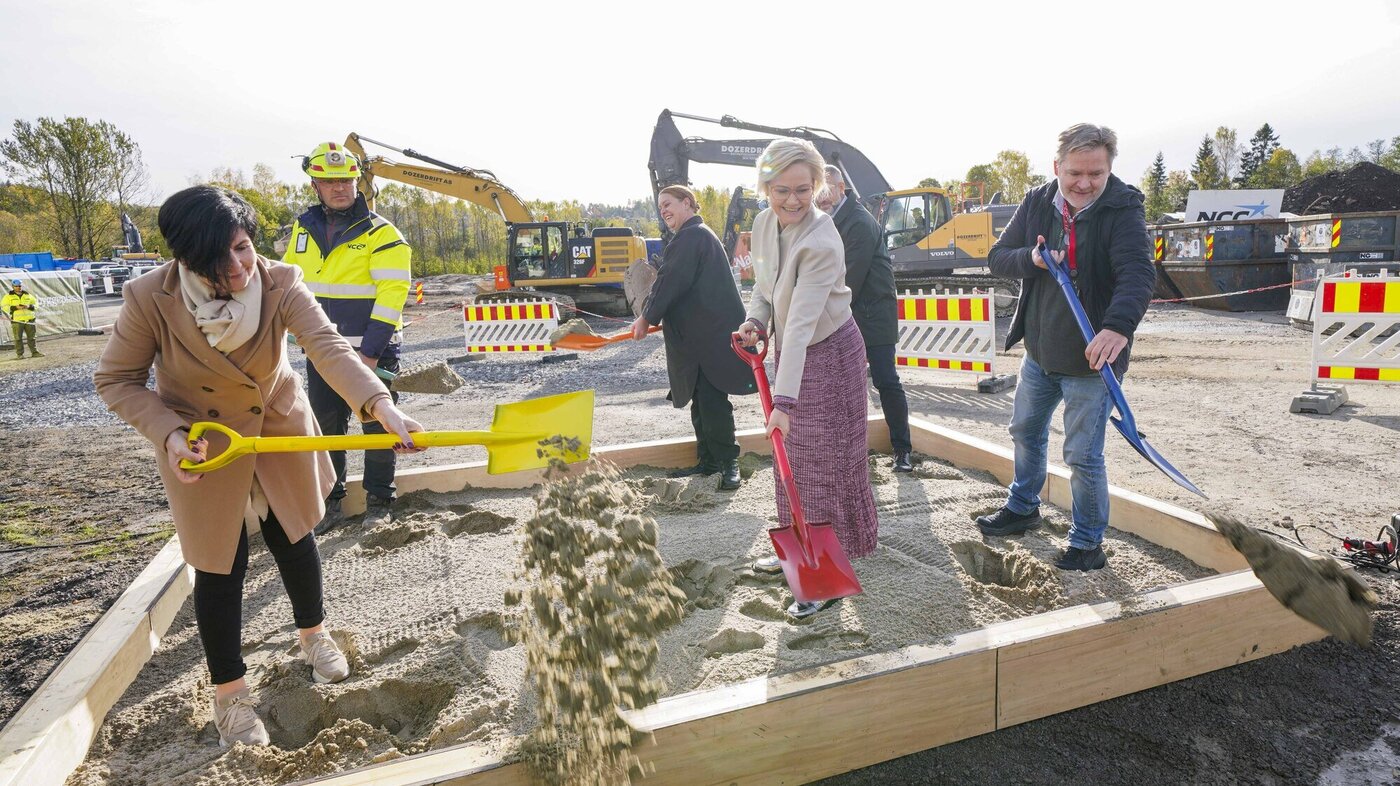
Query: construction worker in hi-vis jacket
[[356, 263]]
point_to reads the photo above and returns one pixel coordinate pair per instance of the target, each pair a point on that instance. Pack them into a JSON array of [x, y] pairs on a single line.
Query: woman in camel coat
[[213, 324]]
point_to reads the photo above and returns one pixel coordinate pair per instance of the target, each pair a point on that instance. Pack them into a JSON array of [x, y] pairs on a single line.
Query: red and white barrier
[[517, 326]]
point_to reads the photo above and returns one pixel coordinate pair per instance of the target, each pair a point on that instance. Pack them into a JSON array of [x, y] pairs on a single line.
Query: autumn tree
[[1280, 171], [1013, 170], [1227, 152], [81, 166], [1177, 189]]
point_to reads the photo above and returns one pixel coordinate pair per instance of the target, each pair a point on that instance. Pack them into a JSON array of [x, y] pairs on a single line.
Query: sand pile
[[434, 378], [596, 595], [418, 606], [572, 327]]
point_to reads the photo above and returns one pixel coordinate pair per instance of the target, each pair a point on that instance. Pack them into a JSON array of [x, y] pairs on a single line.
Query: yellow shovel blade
[[514, 442], [567, 415]]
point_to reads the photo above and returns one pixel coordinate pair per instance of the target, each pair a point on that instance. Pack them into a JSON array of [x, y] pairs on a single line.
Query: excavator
[[564, 261], [933, 239]]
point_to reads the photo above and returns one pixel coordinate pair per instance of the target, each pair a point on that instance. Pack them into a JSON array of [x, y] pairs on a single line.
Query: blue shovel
[[1126, 426]]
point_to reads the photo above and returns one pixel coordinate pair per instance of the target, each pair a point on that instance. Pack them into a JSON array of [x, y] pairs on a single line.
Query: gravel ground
[[1212, 391]]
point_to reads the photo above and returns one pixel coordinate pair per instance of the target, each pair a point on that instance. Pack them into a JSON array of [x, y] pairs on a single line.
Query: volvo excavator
[[932, 240], [561, 260]]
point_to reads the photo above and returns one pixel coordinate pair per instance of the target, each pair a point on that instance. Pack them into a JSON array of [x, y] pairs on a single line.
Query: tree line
[[74, 178], [1223, 161]]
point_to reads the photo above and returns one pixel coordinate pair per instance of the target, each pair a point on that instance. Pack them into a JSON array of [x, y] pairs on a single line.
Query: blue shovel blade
[[1150, 453]]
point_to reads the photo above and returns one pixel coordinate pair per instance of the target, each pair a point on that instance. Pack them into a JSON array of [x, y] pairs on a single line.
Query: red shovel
[[814, 564]]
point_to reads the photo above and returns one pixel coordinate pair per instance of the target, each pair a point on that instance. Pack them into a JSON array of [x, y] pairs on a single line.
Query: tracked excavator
[[935, 239], [563, 261]]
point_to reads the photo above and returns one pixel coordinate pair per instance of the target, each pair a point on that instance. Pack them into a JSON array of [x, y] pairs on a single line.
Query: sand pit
[[418, 606]]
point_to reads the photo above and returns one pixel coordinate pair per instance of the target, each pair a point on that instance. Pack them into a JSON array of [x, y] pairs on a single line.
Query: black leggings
[[218, 597]]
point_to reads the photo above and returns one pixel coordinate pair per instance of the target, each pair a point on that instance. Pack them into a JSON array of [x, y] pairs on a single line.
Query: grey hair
[[1085, 136], [783, 153], [833, 174]]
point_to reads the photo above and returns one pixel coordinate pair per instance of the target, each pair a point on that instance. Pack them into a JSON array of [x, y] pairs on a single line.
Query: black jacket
[[868, 273], [695, 301], [1113, 256]]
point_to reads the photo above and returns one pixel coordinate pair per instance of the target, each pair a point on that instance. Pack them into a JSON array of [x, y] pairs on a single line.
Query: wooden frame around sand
[[789, 728]]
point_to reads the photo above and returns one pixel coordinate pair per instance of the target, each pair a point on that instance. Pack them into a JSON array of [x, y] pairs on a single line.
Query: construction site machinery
[[562, 260], [931, 244]]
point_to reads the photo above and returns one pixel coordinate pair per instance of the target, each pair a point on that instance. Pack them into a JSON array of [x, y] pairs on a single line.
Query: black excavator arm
[[672, 153]]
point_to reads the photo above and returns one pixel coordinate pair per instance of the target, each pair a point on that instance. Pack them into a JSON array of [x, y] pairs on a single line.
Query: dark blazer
[[869, 274], [698, 307], [1114, 256]]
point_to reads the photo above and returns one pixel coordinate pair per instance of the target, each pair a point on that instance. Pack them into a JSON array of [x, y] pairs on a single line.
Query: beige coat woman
[[252, 390], [803, 309]]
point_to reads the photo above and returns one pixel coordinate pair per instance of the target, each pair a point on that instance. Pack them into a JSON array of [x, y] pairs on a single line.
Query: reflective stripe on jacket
[[362, 282], [19, 308]]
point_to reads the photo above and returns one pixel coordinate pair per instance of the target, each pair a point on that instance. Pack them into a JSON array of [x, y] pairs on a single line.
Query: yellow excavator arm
[[477, 186]]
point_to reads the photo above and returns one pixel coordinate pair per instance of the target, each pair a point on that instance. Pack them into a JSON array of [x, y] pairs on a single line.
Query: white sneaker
[[799, 610], [237, 720], [328, 663], [768, 565]]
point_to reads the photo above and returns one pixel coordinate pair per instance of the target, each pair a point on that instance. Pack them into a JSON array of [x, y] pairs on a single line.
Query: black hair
[[199, 223]]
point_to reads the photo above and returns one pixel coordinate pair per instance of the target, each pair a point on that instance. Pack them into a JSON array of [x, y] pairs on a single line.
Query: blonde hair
[[682, 194], [783, 153]]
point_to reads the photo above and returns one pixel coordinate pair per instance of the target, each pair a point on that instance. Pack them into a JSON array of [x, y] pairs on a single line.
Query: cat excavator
[[564, 261], [933, 239]]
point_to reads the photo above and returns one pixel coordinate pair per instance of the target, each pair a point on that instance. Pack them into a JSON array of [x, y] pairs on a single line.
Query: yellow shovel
[[521, 437]]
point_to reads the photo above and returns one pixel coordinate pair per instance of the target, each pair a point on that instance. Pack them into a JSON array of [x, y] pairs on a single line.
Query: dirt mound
[[1364, 188]]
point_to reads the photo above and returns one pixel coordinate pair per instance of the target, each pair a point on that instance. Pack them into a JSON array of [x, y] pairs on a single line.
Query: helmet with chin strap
[[330, 161]]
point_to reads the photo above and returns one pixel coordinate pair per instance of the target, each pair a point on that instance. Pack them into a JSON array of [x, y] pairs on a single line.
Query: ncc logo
[[1237, 213]]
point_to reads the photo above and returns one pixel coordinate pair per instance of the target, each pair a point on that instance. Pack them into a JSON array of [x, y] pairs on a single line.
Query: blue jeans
[[1086, 414]]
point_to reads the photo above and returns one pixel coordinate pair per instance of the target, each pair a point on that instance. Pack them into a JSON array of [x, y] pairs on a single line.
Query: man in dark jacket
[[1094, 222], [870, 278], [696, 303]]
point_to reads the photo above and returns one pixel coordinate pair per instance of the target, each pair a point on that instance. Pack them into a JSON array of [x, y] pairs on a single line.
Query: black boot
[[729, 476], [1082, 559], [1007, 522], [702, 468], [332, 518], [903, 461]]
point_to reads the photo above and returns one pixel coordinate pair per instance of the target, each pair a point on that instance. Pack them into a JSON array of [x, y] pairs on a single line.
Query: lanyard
[[1068, 224]]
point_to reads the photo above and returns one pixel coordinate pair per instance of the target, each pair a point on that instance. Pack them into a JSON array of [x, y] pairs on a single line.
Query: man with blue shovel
[[1093, 226]]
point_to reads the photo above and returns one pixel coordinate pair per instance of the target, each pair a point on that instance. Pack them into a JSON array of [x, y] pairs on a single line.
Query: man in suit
[[697, 305], [870, 278]]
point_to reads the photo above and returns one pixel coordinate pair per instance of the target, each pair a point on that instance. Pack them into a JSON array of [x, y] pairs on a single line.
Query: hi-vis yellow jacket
[[19, 308], [358, 267]]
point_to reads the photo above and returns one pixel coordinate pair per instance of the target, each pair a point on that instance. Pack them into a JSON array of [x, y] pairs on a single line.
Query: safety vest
[[362, 281], [20, 308]]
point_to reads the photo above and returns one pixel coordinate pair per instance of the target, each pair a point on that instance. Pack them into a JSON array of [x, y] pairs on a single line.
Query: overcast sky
[[559, 99]]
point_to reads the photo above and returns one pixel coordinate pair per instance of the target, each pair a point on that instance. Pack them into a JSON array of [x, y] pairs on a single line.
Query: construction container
[[1331, 243], [1243, 262], [35, 260]]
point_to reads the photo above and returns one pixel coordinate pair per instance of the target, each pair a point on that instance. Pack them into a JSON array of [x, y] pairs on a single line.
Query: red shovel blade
[[820, 571]]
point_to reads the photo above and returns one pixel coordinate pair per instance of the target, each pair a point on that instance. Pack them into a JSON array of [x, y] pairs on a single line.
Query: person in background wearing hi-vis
[[357, 265], [18, 307]]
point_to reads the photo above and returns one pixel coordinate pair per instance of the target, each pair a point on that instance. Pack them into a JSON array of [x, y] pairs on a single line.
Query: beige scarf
[[227, 323]]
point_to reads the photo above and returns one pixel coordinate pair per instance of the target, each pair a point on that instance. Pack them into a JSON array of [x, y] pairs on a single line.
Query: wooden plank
[[50, 735], [843, 725], [1181, 530], [789, 728], [1207, 625]]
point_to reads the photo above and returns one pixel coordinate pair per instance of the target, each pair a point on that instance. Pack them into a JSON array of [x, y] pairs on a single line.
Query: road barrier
[[512, 326], [1356, 337], [949, 331]]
